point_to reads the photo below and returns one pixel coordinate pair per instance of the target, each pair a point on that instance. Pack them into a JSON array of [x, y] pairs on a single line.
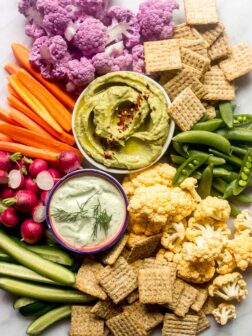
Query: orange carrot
[[31, 138], [13, 92], [20, 106], [26, 122], [5, 116], [28, 151], [5, 138], [11, 68], [33, 103], [22, 55], [53, 106]]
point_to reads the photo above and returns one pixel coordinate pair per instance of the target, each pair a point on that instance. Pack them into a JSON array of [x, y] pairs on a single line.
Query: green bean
[[237, 134], [229, 158], [188, 167], [205, 186], [205, 138], [245, 173], [226, 112], [235, 211], [238, 150], [179, 149], [210, 125], [177, 159], [242, 120]]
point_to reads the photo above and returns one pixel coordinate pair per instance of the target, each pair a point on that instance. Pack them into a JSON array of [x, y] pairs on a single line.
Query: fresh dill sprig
[[102, 220]]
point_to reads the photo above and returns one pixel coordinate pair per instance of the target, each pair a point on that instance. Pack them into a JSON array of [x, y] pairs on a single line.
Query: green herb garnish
[[102, 220]]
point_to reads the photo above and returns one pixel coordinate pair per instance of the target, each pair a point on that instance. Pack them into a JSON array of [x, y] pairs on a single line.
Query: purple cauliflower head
[[47, 6], [138, 63], [122, 62], [95, 8], [55, 23], [90, 37], [34, 31], [103, 63], [80, 73], [36, 58], [25, 5], [122, 26], [155, 19]]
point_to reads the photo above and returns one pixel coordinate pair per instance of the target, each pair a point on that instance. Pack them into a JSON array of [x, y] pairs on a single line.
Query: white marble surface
[[236, 15]]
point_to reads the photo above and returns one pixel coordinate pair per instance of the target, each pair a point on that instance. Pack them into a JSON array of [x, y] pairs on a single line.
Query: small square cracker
[[194, 60], [85, 323], [186, 299], [106, 309], [239, 63], [178, 289], [155, 285], [200, 300], [176, 326], [201, 12], [119, 280], [162, 56], [203, 323], [144, 248], [210, 33], [186, 109], [221, 48], [110, 257]]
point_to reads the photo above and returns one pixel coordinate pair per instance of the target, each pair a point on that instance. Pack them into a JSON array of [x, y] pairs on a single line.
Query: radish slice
[[45, 181], [16, 179], [39, 213], [4, 179]]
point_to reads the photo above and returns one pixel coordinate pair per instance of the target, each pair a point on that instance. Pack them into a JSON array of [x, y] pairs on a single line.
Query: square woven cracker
[[166, 76], [210, 33], [106, 309], [218, 88], [194, 60], [155, 285], [85, 323], [221, 48], [184, 31], [177, 326], [200, 300], [125, 325], [133, 297], [177, 290], [239, 63], [136, 265], [181, 81], [186, 110], [162, 56], [110, 257], [119, 280], [148, 316], [209, 306], [145, 248], [203, 323], [198, 46], [201, 12], [186, 299], [87, 282]]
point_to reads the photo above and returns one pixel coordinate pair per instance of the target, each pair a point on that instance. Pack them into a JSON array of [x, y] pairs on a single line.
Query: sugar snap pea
[[205, 185], [229, 190], [245, 173], [242, 198], [235, 211], [220, 185], [238, 150], [226, 112], [221, 172], [179, 148], [237, 134], [229, 158], [216, 161], [188, 167], [242, 120], [205, 138], [197, 175], [177, 159], [210, 125]]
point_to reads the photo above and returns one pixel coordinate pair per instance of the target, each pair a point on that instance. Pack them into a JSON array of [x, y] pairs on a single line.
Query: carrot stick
[[33, 103], [28, 151], [31, 138], [22, 55], [5, 138], [13, 92], [11, 68], [53, 106], [26, 122], [20, 106], [5, 116]]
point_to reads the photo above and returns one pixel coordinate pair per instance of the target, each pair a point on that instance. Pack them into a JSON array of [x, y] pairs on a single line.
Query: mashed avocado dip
[[87, 211], [121, 120]]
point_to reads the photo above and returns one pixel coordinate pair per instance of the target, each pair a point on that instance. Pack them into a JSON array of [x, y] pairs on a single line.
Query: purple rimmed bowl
[[118, 229]]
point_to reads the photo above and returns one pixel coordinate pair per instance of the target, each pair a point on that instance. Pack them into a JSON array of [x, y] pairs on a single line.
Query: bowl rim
[[111, 180], [119, 171]]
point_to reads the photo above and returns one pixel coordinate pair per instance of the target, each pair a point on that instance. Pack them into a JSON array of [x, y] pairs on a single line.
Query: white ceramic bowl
[[99, 165]]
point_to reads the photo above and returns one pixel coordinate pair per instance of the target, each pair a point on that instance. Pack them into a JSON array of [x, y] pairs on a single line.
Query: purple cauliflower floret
[[138, 63], [36, 58], [122, 62], [47, 6], [90, 37], [122, 26], [95, 8], [34, 31], [25, 5], [80, 73], [103, 63], [55, 23], [155, 19]]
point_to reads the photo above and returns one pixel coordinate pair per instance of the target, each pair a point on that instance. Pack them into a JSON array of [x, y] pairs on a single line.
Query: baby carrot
[[5, 116], [11, 68], [5, 138]]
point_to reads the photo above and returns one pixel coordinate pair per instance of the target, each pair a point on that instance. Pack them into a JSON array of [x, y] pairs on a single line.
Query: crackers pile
[[136, 292], [199, 57]]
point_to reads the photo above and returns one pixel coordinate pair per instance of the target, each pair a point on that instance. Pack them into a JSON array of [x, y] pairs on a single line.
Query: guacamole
[[122, 120]]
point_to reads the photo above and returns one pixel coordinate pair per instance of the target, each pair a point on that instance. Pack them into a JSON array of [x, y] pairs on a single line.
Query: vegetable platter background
[[236, 16]]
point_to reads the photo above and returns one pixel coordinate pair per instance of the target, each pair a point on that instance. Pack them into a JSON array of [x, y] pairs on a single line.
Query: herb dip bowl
[[87, 211]]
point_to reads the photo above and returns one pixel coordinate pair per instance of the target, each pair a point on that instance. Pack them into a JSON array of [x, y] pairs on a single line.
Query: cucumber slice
[[22, 302], [37, 308]]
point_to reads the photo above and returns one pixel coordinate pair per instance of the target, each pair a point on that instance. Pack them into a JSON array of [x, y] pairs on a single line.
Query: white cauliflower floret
[[241, 248], [225, 262], [212, 209], [161, 173], [190, 184], [173, 237], [229, 287], [196, 229], [243, 223], [165, 255], [205, 248], [224, 313]]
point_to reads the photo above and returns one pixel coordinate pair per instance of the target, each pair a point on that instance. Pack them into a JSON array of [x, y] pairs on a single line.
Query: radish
[[7, 193], [37, 166], [9, 217], [24, 201], [32, 232], [56, 175], [4, 179], [45, 181], [22, 165], [44, 196], [31, 185], [39, 213], [16, 179], [6, 160], [69, 161]]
